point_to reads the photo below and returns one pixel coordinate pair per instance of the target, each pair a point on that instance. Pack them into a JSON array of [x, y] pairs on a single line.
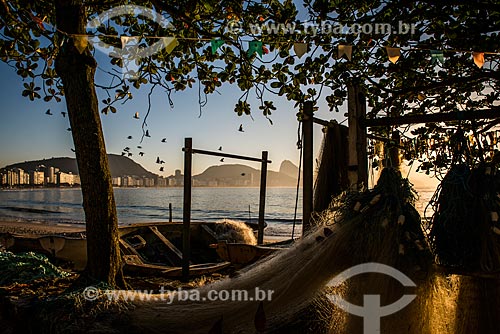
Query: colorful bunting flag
[[216, 44], [437, 55], [393, 54], [300, 49], [170, 43], [345, 50], [478, 58], [255, 46], [81, 43]]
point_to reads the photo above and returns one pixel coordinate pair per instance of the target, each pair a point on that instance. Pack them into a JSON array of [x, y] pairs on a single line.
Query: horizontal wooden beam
[[323, 122], [384, 140], [226, 155], [434, 118]]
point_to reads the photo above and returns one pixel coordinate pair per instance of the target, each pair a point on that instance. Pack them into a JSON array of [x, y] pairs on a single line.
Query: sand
[[46, 228], [39, 228]]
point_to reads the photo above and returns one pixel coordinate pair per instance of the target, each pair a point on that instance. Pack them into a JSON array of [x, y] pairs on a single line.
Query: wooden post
[[186, 216], [358, 164], [170, 212], [262, 198], [307, 163]]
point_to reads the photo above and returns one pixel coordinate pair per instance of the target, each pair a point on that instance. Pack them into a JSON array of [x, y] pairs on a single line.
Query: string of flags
[[300, 48], [393, 53], [256, 46]]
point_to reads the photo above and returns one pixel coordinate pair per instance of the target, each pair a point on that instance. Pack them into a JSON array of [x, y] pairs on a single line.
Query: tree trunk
[[77, 73]]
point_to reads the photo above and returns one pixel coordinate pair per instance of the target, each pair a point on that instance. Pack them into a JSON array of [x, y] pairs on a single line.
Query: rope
[[299, 146]]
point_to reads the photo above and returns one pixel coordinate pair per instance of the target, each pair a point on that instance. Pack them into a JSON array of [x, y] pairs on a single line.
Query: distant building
[[36, 178], [161, 182], [18, 176], [148, 182], [50, 175], [65, 179], [117, 181], [176, 180], [8, 178]]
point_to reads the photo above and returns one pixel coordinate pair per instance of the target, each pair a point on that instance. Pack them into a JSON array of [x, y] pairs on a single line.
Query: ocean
[[135, 205]]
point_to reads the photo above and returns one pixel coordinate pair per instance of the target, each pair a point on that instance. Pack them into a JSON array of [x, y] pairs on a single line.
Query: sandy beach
[[41, 228], [46, 228]]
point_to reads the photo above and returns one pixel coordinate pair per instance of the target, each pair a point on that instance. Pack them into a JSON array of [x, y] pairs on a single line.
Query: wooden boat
[[147, 249], [134, 265], [72, 251], [153, 249], [244, 254]]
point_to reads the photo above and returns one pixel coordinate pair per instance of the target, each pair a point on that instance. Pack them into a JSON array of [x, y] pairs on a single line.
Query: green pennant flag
[[437, 55], [255, 46], [216, 44]]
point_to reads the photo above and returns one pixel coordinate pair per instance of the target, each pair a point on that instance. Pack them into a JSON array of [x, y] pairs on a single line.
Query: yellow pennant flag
[[300, 49], [81, 43], [170, 43], [393, 54], [345, 50], [478, 58]]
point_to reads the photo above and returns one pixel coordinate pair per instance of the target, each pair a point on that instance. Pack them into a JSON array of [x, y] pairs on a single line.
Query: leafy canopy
[[415, 84]]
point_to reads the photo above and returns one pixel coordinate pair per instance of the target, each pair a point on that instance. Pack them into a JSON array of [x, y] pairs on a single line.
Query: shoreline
[[39, 228], [140, 187], [49, 228]]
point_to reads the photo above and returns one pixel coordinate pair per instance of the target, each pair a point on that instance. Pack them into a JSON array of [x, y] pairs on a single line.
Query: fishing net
[[380, 225], [464, 229], [359, 227], [388, 227], [235, 231], [26, 267], [385, 228], [331, 175]]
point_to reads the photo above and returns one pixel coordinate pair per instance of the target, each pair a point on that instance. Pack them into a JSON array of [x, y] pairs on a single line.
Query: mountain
[[228, 175], [241, 175], [288, 168], [119, 166]]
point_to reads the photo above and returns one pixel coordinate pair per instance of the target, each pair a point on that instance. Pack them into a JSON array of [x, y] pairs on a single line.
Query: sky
[[27, 133]]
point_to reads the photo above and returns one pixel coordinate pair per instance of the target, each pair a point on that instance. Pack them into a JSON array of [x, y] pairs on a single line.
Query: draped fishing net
[[465, 228], [235, 231], [331, 174], [378, 225]]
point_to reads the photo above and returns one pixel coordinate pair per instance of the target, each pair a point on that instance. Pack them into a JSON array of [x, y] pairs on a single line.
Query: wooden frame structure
[[358, 125], [357, 164], [186, 216]]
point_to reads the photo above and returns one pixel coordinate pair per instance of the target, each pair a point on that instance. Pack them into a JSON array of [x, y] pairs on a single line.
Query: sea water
[[135, 205]]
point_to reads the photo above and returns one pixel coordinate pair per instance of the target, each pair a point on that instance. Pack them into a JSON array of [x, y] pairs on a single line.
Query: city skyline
[[48, 173]]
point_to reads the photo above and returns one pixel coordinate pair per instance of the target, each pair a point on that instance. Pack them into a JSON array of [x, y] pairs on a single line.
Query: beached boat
[[147, 249], [70, 250], [154, 249], [244, 254]]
